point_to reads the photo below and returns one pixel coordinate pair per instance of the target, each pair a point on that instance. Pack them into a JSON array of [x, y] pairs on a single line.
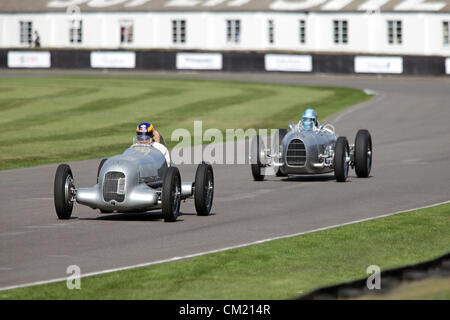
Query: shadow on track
[[309, 178], [318, 178], [137, 216], [131, 216]]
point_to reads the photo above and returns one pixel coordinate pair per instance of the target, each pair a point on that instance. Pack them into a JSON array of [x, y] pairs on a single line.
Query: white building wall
[[2, 30], [422, 32], [435, 31]]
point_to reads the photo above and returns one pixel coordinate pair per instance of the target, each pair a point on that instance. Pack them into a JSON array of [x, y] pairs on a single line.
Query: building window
[[302, 32], [270, 31], [234, 31], [340, 31], [76, 31], [394, 32], [126, 31], [179, 31], [26, 32], [446, 33]]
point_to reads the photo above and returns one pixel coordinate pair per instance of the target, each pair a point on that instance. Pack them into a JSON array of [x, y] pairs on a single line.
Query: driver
[[147, 134], [309, 118]]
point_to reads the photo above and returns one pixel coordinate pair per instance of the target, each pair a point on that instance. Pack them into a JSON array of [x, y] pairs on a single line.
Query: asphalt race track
[[410, 125]]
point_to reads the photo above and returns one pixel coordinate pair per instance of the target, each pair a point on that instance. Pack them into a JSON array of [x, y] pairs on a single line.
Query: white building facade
[[397, 27]]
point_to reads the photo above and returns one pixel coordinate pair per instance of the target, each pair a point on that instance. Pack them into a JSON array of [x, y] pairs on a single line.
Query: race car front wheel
[[341, 159], [63, 191], [171, 195], [363, 153], [204, 189], [256, 147]]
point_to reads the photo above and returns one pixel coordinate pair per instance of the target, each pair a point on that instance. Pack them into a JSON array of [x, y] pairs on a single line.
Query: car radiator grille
[[114, 186], [296, 153]]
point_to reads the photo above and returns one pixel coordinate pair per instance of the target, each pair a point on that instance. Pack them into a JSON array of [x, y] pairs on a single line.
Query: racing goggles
[[308, 122], [144, 137]]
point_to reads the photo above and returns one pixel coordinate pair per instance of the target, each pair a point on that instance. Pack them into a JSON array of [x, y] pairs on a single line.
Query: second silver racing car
[[312, 148]]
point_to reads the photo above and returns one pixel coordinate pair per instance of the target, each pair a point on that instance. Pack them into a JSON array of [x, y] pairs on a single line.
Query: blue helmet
[[144, 132], [308, 118]]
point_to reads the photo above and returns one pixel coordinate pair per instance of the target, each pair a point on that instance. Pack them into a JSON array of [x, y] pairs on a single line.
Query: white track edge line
[[173, 259]]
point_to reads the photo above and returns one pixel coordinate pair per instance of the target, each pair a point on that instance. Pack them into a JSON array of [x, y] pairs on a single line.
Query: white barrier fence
[[216, 61]]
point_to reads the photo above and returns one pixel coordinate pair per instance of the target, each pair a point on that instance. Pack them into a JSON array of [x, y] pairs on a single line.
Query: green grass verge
[[278, 269], [51, 120]]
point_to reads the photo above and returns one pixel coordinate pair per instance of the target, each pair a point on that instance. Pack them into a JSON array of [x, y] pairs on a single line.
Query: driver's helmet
[[309, 118], [144, 132]]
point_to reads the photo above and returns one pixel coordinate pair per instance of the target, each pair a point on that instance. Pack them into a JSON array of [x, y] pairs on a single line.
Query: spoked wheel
[[341, 159], [281, 134], [171, 195], [63, 189], [204, 189], [363, 153], [256, 148]]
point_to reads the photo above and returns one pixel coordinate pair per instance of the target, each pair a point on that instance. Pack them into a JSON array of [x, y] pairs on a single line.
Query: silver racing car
[[138, 180], [312, 150]]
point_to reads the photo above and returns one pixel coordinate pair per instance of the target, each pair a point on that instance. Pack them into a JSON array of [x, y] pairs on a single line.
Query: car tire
[[256, 172], [171, 195], [281, 134], [363, 153], [280, 173], [341, 166], [61, 191], [204, 189], [256, 167]]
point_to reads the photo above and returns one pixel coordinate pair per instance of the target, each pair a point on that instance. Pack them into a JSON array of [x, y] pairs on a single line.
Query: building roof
[[18, 6]]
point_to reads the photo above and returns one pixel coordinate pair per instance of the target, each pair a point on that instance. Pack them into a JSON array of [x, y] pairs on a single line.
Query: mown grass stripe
[[95, 106], [197, 109], [77, 126], [15, 102]]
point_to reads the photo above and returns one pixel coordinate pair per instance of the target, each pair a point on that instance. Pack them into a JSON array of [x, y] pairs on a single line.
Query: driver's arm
[[156, 136]]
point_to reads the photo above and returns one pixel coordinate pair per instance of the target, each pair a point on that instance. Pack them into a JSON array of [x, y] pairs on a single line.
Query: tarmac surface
[[409, 121]]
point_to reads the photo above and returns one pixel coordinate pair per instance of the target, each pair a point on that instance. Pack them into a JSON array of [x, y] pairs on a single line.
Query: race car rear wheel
[[363, 153], [281, 134], [204, 189], [256, 153], [341, 159], [62, 191], [171, 195]]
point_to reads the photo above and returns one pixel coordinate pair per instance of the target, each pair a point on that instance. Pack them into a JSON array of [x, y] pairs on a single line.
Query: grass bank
[[51, 120]]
